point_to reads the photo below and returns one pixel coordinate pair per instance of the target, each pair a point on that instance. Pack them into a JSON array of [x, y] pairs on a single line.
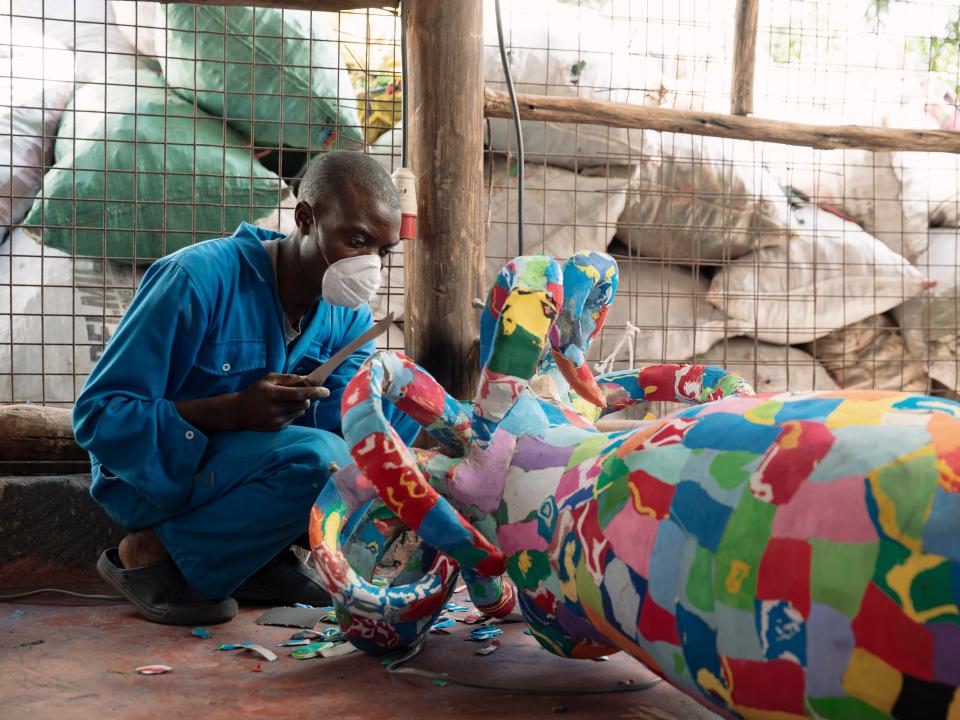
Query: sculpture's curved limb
[[375, 618], [671, 383], [390, 465]]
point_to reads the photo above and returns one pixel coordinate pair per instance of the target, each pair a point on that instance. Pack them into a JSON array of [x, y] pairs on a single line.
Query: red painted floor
[[84, 668]]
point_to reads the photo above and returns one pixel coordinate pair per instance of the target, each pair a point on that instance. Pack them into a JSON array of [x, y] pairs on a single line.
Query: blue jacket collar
[[250, 238]]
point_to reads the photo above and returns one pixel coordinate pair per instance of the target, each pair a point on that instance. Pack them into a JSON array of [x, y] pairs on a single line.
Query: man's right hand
[[269, 404], [273, 402]]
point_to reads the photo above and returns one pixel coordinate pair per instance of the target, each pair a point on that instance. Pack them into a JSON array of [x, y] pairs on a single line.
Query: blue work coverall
[[207, 320]]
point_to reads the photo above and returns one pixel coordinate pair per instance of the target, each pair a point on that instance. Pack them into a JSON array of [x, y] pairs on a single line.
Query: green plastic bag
[[234, 62], [141, 172]]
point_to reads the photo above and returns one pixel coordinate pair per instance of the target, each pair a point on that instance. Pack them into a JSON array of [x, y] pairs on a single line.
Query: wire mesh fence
[[132, 129]]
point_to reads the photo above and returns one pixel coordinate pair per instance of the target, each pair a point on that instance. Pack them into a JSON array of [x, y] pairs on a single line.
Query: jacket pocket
[[232, 357]]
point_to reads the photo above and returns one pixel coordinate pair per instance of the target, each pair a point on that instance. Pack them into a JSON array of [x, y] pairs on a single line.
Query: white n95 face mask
[[349, 282]]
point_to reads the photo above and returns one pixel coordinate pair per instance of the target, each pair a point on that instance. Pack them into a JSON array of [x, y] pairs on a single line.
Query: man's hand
[[269, 404], [274, 402]]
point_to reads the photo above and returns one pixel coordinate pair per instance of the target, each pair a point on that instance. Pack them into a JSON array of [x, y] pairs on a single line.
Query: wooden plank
[[325, 5], [37, 432], [444, 265], [744, 57], [827, 137]]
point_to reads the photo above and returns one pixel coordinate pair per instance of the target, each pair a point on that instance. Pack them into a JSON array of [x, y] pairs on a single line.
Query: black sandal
[[161, 594]]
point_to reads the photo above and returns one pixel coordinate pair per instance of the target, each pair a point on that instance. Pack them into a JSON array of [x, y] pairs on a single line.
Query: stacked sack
[[726, 254], [155, 126]]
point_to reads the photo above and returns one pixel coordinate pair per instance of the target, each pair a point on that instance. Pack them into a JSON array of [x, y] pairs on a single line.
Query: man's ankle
[[142, 548]]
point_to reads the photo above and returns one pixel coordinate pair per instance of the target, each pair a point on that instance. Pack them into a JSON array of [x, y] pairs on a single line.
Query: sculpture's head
[[531, 303]]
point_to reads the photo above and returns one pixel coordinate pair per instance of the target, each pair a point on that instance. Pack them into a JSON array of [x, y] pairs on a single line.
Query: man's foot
[[142, 548], [161, 594], [284, 580]]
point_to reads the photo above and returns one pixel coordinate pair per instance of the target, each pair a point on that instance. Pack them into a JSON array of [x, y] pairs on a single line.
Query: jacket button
[[188, 434], [226, 367]]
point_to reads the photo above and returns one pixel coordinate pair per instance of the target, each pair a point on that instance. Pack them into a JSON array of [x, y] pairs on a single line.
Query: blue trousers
[[251, 498]]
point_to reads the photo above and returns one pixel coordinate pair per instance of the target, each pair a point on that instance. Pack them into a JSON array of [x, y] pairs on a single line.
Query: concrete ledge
[[51, 531]]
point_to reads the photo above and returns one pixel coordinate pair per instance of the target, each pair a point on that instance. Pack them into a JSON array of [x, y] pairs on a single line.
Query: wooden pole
[[326, 5], [827, 137], [37, 433], [444, 265], [744, 57]]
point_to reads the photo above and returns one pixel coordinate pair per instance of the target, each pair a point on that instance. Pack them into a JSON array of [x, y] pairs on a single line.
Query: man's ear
[[303, 214]]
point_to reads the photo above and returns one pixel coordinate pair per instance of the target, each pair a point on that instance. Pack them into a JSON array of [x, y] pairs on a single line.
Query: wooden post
[[744, 57], [444, 265]]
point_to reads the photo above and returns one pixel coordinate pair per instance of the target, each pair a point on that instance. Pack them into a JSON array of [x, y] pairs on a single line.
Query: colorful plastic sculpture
[[774, 556]]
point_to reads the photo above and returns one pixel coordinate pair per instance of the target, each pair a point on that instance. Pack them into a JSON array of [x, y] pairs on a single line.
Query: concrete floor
[[84, 668]]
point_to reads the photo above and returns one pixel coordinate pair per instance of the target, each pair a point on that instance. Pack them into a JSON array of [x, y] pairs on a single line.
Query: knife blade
[[319, 376]]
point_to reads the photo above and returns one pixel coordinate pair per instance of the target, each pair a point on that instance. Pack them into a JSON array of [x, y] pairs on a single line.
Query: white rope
[[630, 332]]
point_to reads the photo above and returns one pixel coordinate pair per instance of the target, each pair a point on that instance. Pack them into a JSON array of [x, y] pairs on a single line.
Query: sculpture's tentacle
[[492, 596], [391, 466], [590, 281], [522, 306], [671, 383]]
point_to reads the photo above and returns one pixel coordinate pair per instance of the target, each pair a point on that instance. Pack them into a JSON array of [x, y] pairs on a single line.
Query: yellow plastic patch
[[870, 679]]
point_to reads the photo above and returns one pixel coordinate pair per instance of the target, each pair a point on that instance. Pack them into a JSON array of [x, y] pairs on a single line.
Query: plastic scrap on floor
[[296, 617], [527, 631], [460, 588], [310, 651], [295, 642], [154, 669], [304, 606], [307, 633], [441, 683], [333, 634], [201, 632], [492, 647], [260, 650], [487, 632], [338, 649], [602, 658], [473, 619], [453, 607], [442, 623]]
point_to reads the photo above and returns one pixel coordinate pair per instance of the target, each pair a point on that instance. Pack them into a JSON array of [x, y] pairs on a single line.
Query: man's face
[[349, 224]]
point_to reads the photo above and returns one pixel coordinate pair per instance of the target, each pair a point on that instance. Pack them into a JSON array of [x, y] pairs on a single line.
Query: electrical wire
[[515, 108], [396, 669], [404, 86], [85, 596]]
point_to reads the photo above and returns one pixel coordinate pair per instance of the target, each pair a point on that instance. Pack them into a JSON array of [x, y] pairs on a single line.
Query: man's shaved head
[[332, 171]]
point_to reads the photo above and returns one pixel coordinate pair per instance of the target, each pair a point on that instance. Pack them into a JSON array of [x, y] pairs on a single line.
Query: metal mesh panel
[[801, 269], [130, 130]]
